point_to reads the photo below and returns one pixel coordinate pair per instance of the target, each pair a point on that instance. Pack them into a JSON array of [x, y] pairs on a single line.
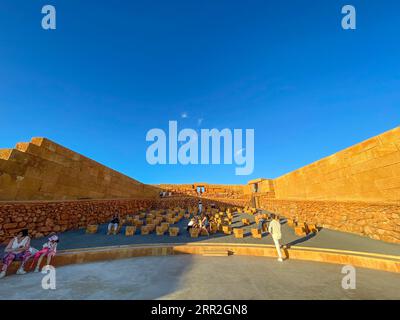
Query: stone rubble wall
[[379, 221], [44, 217]]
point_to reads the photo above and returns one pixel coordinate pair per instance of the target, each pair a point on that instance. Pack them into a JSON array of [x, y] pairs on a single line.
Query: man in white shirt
[[274, 229], [200, 207]]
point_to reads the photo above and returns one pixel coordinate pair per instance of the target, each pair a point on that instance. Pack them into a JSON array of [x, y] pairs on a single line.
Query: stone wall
[[44, 217], [380, 221], [214, 191], [44, 170], [368, 171]]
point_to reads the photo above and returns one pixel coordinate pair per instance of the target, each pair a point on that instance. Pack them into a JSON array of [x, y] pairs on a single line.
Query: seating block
[[92, 228], [246, 222], [312, 228], [227, 229], [144, 230], [194, 232], [173, 231], [256, 233], [138, 223], [239, 233], [130, 231], [165, 226], [300, 231], [160, 230]]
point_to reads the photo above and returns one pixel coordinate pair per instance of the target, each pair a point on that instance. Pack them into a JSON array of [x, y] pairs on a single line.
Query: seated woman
[[113, 224], [18, 249], [49, 250]]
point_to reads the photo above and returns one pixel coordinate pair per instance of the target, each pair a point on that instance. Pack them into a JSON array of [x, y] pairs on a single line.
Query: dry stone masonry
[[356, 190]]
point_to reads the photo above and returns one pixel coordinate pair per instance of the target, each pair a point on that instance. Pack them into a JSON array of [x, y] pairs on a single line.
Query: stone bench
[[144, 230], [300, 231], [246, 222], [138, 223], [173, 231], [194, 232], [92, 228], [151, 227], [130, 231], [227, 229], [165, 225], [160, 230], [238, 232], [256, 233]]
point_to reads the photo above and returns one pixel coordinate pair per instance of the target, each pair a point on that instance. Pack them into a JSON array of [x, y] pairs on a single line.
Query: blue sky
[[115, 69]]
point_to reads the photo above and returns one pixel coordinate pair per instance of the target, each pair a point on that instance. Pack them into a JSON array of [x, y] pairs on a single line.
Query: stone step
[[215, 252], [5, 153]]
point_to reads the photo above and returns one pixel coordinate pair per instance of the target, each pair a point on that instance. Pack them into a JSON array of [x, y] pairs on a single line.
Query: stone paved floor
[[324, 239], [198, 277]]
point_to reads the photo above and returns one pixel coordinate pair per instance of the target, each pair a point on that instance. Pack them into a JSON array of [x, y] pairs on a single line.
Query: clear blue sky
[[115, 69]]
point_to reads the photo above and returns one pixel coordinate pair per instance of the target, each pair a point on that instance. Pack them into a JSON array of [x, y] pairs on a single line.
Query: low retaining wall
[[341, 257], [379, 221]]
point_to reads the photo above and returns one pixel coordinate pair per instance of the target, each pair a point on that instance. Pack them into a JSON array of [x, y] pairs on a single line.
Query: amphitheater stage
[[198, 277], [325, 239]]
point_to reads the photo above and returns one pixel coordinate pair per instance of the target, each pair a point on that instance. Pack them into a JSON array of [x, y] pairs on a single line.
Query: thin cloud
[[184, 115]]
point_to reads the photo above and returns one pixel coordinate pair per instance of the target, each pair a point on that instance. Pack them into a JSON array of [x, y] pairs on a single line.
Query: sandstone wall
[[380, 221], [368, 171], [44, 170], [220, 191], [44, 217]]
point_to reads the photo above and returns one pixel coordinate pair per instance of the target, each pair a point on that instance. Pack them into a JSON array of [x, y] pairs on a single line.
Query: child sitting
[[49, 250]]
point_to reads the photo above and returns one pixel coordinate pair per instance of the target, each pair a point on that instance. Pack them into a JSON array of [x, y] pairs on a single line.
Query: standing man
[[200, 206], [275, 230]]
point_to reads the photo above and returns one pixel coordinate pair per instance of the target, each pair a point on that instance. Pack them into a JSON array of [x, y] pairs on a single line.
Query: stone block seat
[[130, 231], [144, 230], [160, 230], [173, 231], [238, 232], [227, 229], [300, 231], [165, 225], [311, 228], [92, 228], [194, 232], [256, 233]]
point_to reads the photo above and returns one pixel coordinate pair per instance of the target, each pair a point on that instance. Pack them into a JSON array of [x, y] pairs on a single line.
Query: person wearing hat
[[18, 250], [49, 250]]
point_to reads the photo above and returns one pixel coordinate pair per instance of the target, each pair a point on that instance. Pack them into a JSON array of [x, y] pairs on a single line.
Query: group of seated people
[[200, 222], [19, 249]]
